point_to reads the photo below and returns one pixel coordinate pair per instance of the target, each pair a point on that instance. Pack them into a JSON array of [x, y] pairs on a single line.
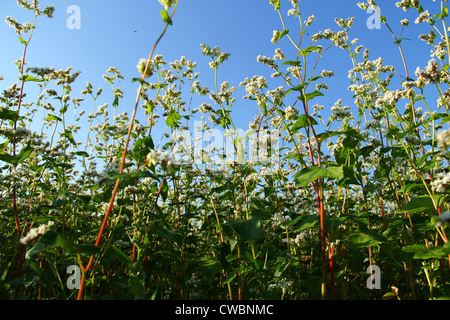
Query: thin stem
[[125, 151]]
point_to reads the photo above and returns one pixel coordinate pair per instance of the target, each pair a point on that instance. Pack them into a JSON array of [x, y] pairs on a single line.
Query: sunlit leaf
[[309, 174]]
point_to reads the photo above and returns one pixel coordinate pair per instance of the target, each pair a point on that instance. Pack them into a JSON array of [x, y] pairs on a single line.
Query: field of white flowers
[[297, 206]]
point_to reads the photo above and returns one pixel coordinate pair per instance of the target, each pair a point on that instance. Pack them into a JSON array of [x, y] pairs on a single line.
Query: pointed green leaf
[[306, 223], [166, 234], [209, 267], [22, 40], [309, 174], [310, 49], [31, 78], [248, 229], [49, 240], [303, 122], [420, 251], [421, 204], [365, 239], [292, 63], [310, 96], [282, 34], [6, 114], [172, 119], [165, 16]]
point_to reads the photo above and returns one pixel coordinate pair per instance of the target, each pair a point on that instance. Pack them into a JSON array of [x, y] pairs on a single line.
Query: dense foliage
[[296, 206]]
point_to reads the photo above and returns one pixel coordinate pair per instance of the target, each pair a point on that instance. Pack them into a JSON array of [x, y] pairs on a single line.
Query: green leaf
[[209, 267], [310, 49], [365, 239], [22, 40], [52, 117], [116, 101], [142, 147], [81, 153], [282, 34], [6, 114], [292, 63], [248, 229], [306, 223], [165, 16], [166, 234], [150, 106], [310, 96], [389, 296], [112, 253], [420, 251], [30, 78], [230, 277], [19, 158], [309, 174], [297, 88], [444, 13], [137, 287], [49, 240], [172, 118], [69, 136], [421, 204], [276, 4], [303, 122], [139, 80], [3, 146]]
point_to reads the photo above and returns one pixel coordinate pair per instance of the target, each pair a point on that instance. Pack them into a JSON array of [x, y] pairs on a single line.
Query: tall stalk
[[122, 164]]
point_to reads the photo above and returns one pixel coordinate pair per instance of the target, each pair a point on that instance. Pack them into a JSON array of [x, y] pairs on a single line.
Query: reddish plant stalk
[[16, 215], [125, 150], [331, 259]]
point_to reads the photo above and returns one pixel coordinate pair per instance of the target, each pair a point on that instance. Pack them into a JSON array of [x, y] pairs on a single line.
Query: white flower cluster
[[412, 139], [443, 139], [340, 112], [290, 113], [253, 85], [424, 16], [431, 74], [167, 3], [216, 54], [344, 23], [156, 157], [285, 286], [141, 67], [441, 182], [36, 232], [310, 20], [406, 4]]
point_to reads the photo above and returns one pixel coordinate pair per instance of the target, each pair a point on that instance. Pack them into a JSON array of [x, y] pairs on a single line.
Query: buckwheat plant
[[182, 204]]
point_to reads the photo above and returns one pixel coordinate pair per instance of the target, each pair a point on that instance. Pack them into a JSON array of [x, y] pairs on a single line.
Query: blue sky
[[243, 28]]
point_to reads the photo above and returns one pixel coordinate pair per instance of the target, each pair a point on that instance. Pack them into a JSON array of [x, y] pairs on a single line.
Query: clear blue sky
[[240, 27]]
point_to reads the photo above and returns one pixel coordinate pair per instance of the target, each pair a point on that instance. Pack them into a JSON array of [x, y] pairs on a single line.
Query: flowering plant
[[296, 206]]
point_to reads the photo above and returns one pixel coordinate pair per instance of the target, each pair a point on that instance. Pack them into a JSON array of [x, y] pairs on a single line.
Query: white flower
[[167, 3], [36, 232], [141, 67], [440, 182], [443, 139], [275, 36], [157, 157]]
